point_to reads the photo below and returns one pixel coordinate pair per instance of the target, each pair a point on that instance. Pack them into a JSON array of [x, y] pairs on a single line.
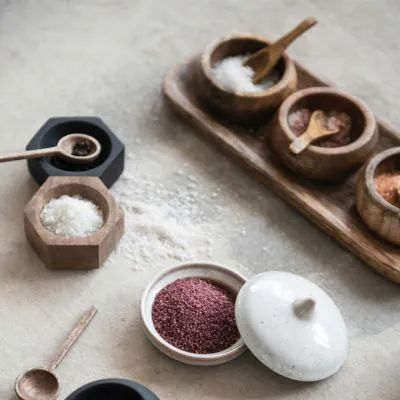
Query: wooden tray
[[331, 207]]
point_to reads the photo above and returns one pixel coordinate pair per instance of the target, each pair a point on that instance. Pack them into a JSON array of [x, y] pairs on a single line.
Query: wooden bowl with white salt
[[378, 194], [227, 88], [73, 222]]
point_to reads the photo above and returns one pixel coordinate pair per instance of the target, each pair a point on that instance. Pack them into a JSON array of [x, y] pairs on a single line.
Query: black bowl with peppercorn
[[108, 166]]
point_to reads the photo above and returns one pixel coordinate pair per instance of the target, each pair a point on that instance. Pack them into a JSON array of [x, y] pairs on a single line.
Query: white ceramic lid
[[292, 326]]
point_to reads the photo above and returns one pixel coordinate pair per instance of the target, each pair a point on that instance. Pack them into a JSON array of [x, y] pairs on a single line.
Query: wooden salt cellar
[[316, 162], [382, 217], [58, 252], [242, 107]]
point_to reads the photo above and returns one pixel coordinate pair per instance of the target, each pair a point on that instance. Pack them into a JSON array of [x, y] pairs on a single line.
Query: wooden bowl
[[58, 252], [242, 107], [321, 163], [382, 217]]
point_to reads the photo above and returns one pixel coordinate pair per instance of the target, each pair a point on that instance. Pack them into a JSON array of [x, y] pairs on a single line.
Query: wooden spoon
[[316, 129], [64, 148], [264, 60], [42, 383]]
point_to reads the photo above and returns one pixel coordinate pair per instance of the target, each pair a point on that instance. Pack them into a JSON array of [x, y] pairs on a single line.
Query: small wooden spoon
[[316, 129], [264, 60], [42, 383], [64, 148]]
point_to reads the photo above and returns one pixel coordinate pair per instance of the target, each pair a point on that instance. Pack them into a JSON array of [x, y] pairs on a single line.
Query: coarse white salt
[[71, 216], [232, 75]]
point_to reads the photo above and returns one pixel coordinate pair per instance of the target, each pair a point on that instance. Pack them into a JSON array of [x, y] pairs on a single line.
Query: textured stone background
[[108, 58]]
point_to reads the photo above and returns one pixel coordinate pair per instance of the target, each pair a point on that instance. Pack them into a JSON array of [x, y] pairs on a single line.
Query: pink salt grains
[[298, 123], [196, 315]]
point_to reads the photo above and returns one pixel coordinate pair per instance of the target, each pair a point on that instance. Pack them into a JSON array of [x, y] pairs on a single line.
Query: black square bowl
[[108, 166], [113, 389]]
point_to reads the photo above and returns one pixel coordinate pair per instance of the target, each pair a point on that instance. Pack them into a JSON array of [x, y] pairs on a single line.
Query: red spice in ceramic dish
[[298, 123], [387, 185], [196, 315]]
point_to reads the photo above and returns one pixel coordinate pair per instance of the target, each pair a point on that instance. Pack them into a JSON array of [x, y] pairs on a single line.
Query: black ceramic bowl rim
[[369, 176], [365, 136], [134, 386], [207, 66]]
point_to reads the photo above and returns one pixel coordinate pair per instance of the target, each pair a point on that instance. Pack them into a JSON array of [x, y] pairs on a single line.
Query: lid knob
[[303, 307]]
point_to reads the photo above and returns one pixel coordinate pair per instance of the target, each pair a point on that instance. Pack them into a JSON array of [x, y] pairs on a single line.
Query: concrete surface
[[108, 58]]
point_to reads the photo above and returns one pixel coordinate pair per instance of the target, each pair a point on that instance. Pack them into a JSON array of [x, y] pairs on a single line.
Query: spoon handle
[[27, 155], [78, 329], [287, 39]]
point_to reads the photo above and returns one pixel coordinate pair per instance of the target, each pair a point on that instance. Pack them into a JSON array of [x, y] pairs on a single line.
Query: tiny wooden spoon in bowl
[[316, 129], [42, 383], [264, 60], [65, 148]]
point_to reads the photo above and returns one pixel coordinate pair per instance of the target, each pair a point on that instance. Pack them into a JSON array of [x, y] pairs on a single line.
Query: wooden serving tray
[[330, 206]]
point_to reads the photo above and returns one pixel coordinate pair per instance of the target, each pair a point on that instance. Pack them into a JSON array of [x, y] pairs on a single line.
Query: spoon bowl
[[316, 129], [42, 383], [69, 143], [37, 384]]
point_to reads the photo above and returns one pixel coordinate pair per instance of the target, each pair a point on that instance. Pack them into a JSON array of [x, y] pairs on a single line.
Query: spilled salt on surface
[[160, 223]]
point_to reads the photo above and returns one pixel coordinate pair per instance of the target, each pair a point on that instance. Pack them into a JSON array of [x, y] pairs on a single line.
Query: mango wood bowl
[[322, 163], [382, 217], [59, 252], [248, 108]]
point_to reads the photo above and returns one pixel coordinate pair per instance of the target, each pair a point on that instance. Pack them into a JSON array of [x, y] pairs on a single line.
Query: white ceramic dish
[[218, 273]]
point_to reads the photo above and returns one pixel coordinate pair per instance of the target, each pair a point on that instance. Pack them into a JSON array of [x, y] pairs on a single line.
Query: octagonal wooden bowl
[[88, 252]]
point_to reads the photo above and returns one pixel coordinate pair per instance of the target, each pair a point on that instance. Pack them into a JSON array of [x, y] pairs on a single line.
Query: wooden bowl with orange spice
[[333, 157], [378, 194], [240, 104]]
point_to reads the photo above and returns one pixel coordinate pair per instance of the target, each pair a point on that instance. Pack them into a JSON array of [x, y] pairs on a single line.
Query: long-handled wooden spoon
[[316, 129], [264, 60], [42, 383], [65, 148]]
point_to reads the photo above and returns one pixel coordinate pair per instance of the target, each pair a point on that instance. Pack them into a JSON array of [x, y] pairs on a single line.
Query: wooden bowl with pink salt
[[331, 158], [378, 194], [226, 86]]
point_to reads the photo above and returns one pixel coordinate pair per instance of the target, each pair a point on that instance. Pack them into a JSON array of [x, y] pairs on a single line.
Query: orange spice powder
[[388, 185]]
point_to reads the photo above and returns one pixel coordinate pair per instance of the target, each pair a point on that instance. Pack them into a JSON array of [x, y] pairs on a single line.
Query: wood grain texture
[[58, 252], [382, 217], [323, 163], [329, 206], [264, 60], [242, 107]]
